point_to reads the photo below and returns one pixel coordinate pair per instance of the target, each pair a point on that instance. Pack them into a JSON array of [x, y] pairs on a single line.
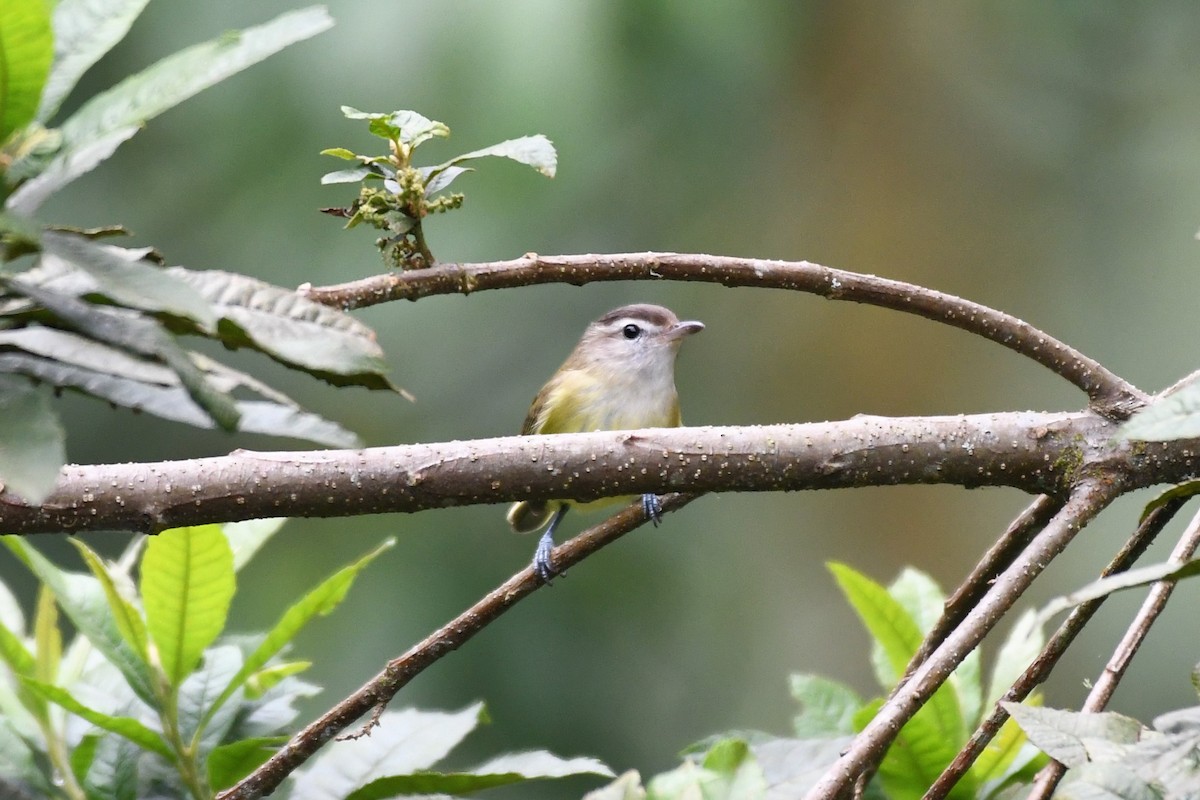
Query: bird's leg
[[652, 507], [543, 565]]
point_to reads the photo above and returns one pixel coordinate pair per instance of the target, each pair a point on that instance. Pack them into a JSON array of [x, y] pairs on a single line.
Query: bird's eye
[[631, 331]]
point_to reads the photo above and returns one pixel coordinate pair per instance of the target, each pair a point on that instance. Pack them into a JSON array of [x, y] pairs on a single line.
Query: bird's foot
[[543, 562], [652, 507]]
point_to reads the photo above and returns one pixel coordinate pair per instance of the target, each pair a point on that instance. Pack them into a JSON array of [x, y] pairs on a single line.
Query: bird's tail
[[527, 517]]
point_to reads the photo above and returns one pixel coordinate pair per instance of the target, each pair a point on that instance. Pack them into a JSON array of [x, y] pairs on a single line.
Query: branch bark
[[1108, 394], [1040, 453], [1085, 502], [399, 671]]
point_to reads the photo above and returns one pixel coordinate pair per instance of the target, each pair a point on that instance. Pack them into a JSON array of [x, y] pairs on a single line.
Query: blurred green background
[[1039, 158]]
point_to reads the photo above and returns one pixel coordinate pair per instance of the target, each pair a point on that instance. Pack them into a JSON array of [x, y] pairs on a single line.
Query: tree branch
[[1102, 691], [1041, 453], [1108, 394], [1084, 503], [1039, 670], [399, 671]]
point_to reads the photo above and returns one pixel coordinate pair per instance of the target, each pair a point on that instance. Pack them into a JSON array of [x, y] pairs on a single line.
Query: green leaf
[[56, 174], [231, 762], [267, 677], [132, 331], [320, 601], [82, 599], [175, 78], [127, 727], [15, 654], [17, 760], [84, 30], [919, 754], [443, 178], [536, 151], [1023, 645], [346, 175], [121, 275], [999, 758], [290, 328], [32, 448], [1071, 737], [502, 771], [246, 537], [340, 152], [113, 774], [187, 585], [1180, 491], [896, 635], [1130, 579], [1176, 416], [198, 693], [1108, 781], [83, 754], [26, 50], [128, 620], [403, 742], [827, 706], [47, 638], [735, 777]]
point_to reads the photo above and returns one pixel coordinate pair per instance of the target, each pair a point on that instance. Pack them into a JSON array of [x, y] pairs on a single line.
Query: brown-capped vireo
[[621, 375]]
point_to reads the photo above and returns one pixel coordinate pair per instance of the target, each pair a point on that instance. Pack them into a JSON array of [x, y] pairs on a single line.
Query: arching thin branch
[[1108, 394]]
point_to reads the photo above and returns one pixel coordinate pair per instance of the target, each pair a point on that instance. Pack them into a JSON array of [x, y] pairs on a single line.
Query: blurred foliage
[[1034, 157]]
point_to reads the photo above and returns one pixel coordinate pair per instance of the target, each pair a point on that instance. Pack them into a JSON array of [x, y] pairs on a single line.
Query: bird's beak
[[686, 328]]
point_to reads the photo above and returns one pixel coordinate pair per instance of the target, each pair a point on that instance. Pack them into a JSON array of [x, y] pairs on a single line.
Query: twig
[[1135, 634], [1038, 453], [1039, 670], [1108, 394], [1084, 503], [398, 672]]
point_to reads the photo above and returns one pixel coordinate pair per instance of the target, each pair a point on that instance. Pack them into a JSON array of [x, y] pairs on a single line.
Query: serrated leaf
[[827, 707], [128, 620], [143, 96], [894, 631], [1107, 781], [26, 50], [1070, 736], [59, 172], [403, 742], [84, 30], [82, 600], [502, 771], [320, 601], [291, 329], [536, 151], [186, 587], [127, 727], [32, 441], [1176, 416], [174, 402], [231, 762], [121, 276], [132, 331]]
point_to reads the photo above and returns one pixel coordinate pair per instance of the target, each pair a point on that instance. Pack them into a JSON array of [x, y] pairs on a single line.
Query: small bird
[[620, 376]]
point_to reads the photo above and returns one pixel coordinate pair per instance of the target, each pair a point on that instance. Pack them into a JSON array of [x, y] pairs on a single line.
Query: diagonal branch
[[1084, 503], [1135, 634], [1041, 453], [1108, 394], [396, 675], [1039, 670]]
